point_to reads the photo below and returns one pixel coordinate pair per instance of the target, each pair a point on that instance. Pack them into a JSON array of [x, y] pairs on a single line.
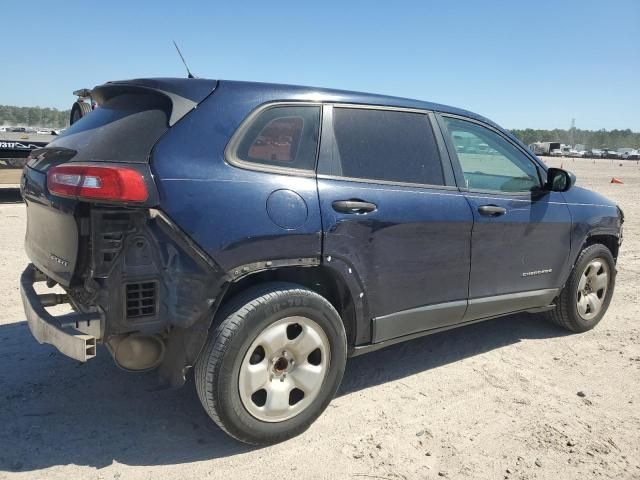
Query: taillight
[[100, 183]]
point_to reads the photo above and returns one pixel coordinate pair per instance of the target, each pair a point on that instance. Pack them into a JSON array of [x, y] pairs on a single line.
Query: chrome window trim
[[230, 151], [368, 106]]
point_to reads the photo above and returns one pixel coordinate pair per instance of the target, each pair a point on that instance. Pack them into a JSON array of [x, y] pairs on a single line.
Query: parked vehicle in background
[[631, 155], [609, 153], [544, 148], [563, 151], [82, 106], [273, 231], [577, 153], [597, 153], [14, 150]]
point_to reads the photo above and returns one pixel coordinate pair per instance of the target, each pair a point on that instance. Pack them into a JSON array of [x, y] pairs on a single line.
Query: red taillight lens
[[99, 183]]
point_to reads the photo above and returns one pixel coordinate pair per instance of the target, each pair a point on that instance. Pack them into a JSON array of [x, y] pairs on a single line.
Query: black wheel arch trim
[[587, 240], [338, 267]]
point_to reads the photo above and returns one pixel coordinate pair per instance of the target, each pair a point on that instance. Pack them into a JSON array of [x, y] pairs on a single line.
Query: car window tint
[[488, 161], [384, 145], [284, 136]]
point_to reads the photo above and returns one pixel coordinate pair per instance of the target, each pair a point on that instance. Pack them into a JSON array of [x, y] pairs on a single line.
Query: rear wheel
[[586, 297], [273, 364]]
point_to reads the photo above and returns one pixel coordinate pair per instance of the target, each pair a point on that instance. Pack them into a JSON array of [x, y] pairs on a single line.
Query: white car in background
[[632, 155], [577, 153]]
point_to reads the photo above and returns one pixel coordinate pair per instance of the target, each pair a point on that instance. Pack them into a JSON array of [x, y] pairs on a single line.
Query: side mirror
[[559, 180]]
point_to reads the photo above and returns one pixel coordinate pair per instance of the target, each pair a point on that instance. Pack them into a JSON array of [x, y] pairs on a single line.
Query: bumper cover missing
[[64, 332]]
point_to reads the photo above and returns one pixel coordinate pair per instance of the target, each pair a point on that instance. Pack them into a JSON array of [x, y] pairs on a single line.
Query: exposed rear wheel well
[[320, 279]]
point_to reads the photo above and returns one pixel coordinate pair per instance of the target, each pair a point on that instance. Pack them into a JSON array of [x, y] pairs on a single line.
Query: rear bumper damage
[[74, 334], [140, 287]]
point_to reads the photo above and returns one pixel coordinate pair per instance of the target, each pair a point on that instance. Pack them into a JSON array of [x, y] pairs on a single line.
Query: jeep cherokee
[[264, 233]]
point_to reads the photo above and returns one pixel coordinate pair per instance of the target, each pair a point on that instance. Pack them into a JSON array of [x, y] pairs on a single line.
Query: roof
[[196, 89], [299, 92], [186, 93]]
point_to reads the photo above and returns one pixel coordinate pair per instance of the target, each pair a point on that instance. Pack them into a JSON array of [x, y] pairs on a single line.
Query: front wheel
[[273, 364], [587, 294]]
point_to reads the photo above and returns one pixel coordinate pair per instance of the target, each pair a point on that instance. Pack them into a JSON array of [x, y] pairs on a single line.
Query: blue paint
[[287, 209], [422, 245]]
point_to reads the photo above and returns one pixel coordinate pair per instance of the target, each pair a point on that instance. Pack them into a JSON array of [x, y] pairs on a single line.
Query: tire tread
[[561, 315], [233, 315]]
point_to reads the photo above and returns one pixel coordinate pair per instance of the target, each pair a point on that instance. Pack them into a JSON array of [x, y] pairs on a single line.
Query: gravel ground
[[512, 398]]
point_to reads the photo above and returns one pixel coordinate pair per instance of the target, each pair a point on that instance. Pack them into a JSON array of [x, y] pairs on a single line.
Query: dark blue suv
[[264, 233]]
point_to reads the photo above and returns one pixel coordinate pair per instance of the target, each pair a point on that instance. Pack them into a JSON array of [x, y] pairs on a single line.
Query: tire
[[78, 110], [255, 320], [569, 312]]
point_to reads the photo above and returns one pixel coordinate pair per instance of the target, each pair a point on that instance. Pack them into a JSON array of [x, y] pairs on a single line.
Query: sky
[[535, 64]]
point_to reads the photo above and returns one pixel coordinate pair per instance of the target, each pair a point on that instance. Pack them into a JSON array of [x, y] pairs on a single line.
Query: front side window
[[385, 145], [285, 136], [488, 161]]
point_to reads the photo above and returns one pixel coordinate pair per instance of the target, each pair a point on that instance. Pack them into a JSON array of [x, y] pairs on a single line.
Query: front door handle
[[353, 206], [491, 210]]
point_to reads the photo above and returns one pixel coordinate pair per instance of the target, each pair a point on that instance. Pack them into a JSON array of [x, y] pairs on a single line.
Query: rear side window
[[285, 136], [123, 129], [384, 145]]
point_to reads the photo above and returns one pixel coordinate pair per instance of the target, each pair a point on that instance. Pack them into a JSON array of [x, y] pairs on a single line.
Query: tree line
[[589, 138], [33, 117]]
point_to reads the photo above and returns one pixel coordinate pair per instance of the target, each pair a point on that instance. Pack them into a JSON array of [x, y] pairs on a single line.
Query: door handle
[[353, 206], [491, 210]]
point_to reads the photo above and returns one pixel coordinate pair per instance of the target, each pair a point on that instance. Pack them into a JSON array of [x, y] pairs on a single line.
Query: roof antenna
[[189, 74]]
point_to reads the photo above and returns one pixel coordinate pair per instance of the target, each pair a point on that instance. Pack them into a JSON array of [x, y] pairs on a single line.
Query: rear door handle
[[491, 210], [353, 206]]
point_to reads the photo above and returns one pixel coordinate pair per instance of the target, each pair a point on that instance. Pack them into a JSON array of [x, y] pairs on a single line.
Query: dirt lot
[[492, 400]]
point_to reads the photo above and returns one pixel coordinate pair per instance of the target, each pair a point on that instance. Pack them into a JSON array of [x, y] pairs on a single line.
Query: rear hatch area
[[95, 226], [53, 231], [131, 118]]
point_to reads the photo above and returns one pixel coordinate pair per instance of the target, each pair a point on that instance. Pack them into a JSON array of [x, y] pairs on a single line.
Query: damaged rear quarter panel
[[131, 247], [221, 207]]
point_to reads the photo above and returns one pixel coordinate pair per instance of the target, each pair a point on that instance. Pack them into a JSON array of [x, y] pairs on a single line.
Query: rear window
[[123, 129], [285, 136], [385, 145]]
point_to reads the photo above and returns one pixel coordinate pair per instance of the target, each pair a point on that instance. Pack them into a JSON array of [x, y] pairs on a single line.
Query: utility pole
[[572, 131]]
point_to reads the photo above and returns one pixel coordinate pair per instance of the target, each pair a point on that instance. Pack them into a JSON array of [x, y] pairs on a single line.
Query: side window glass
[[389, 145], [488, 161], [284, 136]]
